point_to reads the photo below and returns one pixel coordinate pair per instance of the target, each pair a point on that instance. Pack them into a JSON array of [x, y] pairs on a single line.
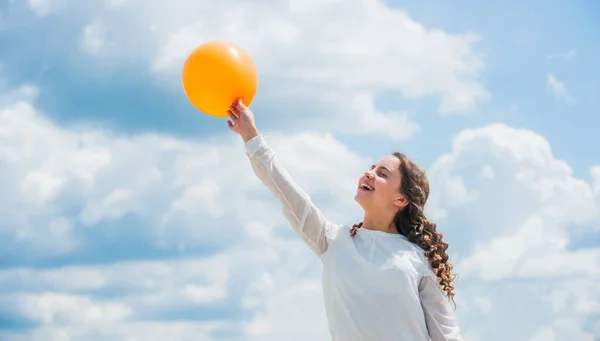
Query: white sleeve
[[440, 318], [305, 218]]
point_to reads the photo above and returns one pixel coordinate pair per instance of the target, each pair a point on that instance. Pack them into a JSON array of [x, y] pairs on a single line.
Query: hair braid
[[412, 223]]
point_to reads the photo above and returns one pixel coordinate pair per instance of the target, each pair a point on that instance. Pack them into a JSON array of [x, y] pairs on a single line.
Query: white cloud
[[93, 38], [63, 188], [523, 210], [558, 88], [494, 170], [134, 331], [595, 172], [293, 311], [329, 70], [562, 330], [484, 304], [116, 4], [272, 287], [519, 226], [45, 7], [52, 308], [567, 55], [508, 204], [9, 96], [172, 183]]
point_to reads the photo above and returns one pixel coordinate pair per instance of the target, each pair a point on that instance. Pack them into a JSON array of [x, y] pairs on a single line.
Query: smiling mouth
[[367, 187]]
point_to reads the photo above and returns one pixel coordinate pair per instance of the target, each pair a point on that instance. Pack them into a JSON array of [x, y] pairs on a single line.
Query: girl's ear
[[401, 202]]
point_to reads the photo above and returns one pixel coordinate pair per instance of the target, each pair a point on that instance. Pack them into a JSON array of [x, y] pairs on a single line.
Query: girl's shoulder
[[334, 231]]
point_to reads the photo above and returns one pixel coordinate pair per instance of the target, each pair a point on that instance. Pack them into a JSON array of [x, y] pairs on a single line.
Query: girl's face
[[379, 187]]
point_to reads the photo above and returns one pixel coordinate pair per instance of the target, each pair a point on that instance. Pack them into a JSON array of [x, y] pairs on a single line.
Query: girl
[[385, 279]]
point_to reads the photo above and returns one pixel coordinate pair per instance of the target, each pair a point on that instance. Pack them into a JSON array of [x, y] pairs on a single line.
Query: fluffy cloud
[[80, 195], [595, 172], [93, 39], [558, 88], [45, 7], [333, 70], [534, 198], [516, 207], [51, 173], [220, 259], [152, 237], [257, 290], [341, 47], [566, 55]]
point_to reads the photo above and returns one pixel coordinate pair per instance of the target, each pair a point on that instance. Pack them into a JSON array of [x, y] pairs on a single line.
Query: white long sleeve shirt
[[377, 286]]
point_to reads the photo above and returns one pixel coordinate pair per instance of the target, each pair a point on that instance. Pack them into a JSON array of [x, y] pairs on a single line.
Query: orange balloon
[[217, 73]]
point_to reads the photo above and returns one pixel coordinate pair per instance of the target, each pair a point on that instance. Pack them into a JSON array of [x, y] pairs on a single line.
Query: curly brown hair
[[412, 223]]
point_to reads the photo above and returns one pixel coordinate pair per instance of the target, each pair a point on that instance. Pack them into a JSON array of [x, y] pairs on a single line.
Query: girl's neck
[[379, 221]]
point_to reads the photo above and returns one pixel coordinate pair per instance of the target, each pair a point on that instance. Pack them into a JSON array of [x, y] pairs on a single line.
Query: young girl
[[385, 279]]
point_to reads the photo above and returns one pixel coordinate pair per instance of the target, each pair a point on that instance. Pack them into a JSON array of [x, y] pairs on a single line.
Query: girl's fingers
[[238, 106], [235, 108], [241, 104], [232, 115]]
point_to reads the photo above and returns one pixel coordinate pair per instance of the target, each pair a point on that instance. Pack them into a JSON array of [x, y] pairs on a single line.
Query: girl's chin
[[362, 194]]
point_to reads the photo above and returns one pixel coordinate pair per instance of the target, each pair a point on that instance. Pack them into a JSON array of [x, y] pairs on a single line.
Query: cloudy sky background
[[125, 214]]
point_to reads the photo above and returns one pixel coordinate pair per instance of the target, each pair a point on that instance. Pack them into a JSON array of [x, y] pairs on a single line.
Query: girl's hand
[[242, 120]]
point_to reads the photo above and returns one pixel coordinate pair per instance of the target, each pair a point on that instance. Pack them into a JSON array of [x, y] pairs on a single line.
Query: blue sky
[[521, 43], [127, 213]]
